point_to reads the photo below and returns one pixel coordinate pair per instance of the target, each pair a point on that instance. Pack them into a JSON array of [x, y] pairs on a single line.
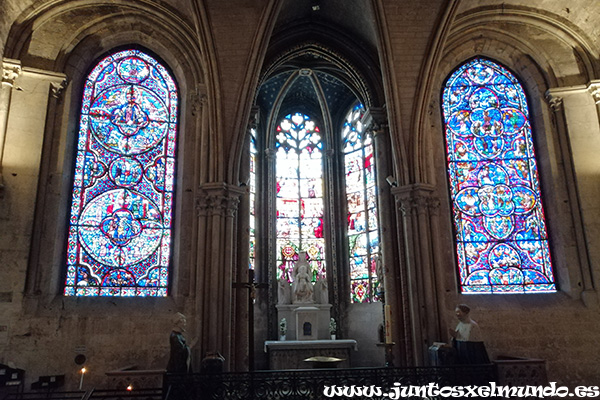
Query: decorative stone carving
[[58, 88], [594, 90], [302, 288], [321, 291], [218, 199], [555, 102], [10, 72], [284, 293], [198, 100]]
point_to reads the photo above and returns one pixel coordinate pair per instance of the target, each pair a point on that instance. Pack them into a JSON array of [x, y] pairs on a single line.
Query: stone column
[[394, 279], [579, 141], [58, 83], [217, 205], [417, 223], [243, 316], [11, 69], [267, 197]]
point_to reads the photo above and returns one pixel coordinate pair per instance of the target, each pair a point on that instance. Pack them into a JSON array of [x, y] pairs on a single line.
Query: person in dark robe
[[180, 357]]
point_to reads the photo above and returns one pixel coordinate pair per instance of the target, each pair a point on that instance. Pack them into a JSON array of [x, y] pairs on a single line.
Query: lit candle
[[81, 380], [130, 388], [388, 324]]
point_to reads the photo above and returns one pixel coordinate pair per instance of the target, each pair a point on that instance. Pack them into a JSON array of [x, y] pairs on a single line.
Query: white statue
[[321, 291], [284, 294], [302, 288]]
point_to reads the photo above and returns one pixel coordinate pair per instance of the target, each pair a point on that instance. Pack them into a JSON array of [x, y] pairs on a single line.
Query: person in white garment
[[467, 338], [467, 330]]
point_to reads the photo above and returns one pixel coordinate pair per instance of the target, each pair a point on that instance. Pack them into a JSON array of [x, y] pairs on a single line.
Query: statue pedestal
[[305, 321], [291, 354]]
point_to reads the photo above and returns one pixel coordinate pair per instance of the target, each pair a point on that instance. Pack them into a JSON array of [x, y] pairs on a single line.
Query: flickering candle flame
[[81, 380], [130, 388]]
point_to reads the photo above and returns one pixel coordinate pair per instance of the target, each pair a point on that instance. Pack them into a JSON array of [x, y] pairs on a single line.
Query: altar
[[305, 324], [290, 354]]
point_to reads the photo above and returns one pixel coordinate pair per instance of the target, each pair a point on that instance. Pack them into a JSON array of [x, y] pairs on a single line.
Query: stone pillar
[[394, 279], [417, 223], [217, 205], [267, 197], [58, 83], [578, 132], [11, 69], [243, 315]]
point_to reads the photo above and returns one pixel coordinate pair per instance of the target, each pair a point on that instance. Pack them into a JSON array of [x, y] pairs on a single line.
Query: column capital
[[198, 99], [594, 89], [254, 118], [11, 69], [375, 120], [554, 101], [418, 198], [218, 198], [57, 88]]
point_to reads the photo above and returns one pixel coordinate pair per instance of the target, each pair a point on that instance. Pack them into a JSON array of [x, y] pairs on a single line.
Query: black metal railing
[[322, 383], [93, 394]]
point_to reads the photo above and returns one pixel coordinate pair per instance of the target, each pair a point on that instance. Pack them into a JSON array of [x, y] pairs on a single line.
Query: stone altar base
[[290, 354], [300, 316]]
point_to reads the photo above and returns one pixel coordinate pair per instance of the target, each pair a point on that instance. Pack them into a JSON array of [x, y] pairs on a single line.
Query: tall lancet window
[[252, 197], [300, 207], [361, 196], [119, 240], [501, 237]]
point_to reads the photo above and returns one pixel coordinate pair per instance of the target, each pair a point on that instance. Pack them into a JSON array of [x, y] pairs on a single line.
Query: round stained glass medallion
[[120, 227]]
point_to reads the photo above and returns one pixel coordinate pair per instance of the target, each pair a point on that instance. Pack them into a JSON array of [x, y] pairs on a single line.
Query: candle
[[81, 380], [388, 324]]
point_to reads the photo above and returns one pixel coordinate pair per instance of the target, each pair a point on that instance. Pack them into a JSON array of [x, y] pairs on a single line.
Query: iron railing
[[321, 383]]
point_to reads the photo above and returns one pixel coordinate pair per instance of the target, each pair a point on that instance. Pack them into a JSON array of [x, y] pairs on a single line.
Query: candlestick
[[388, 324], [81, 380]]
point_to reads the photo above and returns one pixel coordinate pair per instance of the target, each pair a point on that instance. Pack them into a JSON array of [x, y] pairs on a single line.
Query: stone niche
[[305, 321]]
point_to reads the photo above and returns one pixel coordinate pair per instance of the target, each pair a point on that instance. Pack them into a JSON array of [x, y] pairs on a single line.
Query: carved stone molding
[[254, 118], [594, 90], [416, 199], [58, 88], [270, 154], [375, 120], [198, 100], [218, 199], [11, 69], [555, 102]]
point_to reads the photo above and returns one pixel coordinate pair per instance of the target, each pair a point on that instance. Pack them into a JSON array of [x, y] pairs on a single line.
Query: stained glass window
[[299, 202], [120, 226], [252, 195], [361, 197], [501, 238]]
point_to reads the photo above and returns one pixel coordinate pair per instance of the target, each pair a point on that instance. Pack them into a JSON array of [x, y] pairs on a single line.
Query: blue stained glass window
[[361, 198], [252, 196], [119, 239], [501, 237]]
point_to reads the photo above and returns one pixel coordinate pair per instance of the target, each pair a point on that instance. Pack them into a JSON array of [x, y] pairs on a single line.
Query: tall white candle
[[81, 380], [388, 324]]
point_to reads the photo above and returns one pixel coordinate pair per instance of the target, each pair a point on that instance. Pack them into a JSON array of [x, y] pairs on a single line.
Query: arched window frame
[[333, 144], [450, 117], [159, 102]]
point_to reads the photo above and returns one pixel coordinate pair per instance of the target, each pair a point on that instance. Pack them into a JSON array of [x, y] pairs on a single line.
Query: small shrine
[[304, 315]]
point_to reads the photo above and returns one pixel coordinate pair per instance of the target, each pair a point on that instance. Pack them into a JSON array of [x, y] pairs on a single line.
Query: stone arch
[[493, 35], [97, 30]]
